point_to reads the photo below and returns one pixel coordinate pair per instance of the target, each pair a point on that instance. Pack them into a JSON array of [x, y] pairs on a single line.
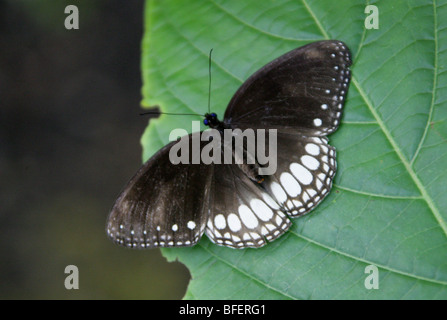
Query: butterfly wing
[[163, 205], [305, 88], [242, 214]]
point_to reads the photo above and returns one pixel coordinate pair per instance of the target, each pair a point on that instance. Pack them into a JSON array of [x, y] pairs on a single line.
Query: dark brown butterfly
[[301, 94]]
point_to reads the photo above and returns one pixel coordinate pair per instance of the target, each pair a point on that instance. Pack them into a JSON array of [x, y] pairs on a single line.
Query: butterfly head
[[211, 120]]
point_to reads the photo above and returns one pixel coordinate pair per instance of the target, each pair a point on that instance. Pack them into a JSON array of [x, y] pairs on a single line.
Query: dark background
[[69, 141]]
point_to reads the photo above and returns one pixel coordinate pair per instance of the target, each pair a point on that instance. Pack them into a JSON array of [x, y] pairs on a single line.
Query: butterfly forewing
[[304, 89], [163, 205]]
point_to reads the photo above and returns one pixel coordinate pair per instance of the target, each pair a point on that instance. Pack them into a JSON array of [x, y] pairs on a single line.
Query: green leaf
[[388, 206]]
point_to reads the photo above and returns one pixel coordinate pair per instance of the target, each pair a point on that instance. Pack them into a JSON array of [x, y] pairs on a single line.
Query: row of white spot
[[263, 217], [296, 184], [337, 100], [250, 217], [344, 78], [158, 240], [190, 225]]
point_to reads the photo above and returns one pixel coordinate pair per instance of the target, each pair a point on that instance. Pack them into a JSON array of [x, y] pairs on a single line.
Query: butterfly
[[301, 94]]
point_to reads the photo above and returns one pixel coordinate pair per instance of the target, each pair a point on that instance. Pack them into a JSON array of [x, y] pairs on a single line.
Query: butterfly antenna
[[209, 85], [190, 114], [171, 113]]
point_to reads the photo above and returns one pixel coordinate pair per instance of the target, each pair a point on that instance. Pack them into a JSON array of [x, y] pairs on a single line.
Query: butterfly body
[[250, 168], [294, 101]]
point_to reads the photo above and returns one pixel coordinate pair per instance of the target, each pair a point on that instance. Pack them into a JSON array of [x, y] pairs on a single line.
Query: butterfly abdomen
[[246, 161]]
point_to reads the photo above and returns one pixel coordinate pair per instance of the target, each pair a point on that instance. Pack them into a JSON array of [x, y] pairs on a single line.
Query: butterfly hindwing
[[242, 214], [163, 205], [305, 88], [305, 169]]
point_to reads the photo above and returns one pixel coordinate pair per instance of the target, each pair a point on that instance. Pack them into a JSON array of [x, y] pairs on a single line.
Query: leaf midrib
[[407, 165]]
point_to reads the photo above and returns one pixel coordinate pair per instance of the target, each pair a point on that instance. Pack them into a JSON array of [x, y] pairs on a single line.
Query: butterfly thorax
[[246, 162], [213, 122]]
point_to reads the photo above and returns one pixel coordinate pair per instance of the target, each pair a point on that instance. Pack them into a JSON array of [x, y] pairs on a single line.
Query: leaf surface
[[388, 206]]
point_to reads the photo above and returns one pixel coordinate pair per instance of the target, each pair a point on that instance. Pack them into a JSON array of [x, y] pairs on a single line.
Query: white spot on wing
[[270, 201], [278, 220], [261, 209], [191, 225], [247, 216], [290, 184], [312, 149], [278, 191], [255, 235], [310, 162], [233, 222], [317, 122], [264, 231], [297, 203], [319, 184], [219, 221], [301, 173]]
